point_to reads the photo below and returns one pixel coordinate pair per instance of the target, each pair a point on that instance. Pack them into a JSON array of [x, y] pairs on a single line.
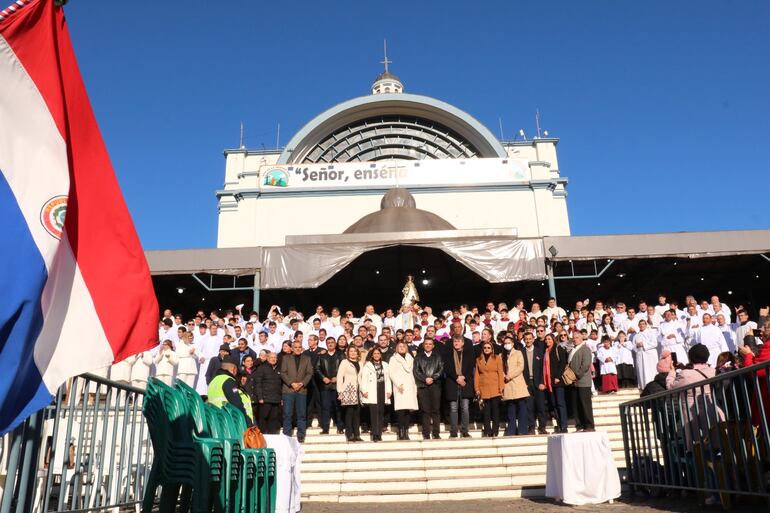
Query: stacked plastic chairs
[[199, 452], [194, 465]]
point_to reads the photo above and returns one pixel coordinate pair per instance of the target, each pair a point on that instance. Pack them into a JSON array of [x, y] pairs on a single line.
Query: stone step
[[316, 439], [390, 443], [417, 470], [426, 450], [534, 458], [439, 485], [503, 492]]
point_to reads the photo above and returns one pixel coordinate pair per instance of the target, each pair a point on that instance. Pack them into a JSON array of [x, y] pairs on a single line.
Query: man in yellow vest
[[224, 389]]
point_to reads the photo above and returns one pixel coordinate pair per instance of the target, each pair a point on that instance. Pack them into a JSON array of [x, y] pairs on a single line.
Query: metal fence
[[710, 437], [88, 451]]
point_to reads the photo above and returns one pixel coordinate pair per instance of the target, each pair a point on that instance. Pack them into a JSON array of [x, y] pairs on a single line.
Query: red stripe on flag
[[98, 224]]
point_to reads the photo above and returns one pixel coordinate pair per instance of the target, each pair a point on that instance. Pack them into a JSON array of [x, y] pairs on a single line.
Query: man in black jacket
[[326, 379], [267, 390], [533, 375], [242, 351], [459, 366], [215, 363], [314, 351], [428, 369]]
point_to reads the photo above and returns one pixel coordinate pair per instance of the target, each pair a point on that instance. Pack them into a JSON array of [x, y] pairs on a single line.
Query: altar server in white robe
[[646, 354], [728, 332], [140, 369], [625, 360], [608, 359], [209, 349], [711, 336], [671, 335], [121, 372], [186, 353]]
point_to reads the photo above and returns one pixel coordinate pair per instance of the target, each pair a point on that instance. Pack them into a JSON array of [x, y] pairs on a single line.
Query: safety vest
[[216, 394], [216, 390], [246, 400]]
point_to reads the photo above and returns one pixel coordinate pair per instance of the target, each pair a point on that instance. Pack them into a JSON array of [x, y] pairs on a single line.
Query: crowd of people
[[518, 369]]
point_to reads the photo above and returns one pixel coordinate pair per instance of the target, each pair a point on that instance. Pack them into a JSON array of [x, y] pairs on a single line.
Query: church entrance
[[377, 277]]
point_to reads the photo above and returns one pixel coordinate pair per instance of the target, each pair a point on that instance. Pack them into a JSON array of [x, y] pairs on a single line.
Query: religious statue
[[410, 292]]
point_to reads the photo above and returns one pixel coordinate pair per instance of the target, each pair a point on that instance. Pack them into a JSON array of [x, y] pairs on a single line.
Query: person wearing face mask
[[515, 392]]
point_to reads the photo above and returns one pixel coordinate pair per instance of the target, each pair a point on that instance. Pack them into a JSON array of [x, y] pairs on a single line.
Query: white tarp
[[310, 265]]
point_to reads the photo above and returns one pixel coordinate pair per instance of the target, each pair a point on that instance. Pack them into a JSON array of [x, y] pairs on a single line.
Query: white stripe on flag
[[33, 159], [33, 155], [72, 340]]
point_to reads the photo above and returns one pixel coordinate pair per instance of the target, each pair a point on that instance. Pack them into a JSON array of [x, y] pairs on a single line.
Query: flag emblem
[[52, 215]]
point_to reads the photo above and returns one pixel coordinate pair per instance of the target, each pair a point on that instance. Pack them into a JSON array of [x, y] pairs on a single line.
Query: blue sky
[[663, 108]]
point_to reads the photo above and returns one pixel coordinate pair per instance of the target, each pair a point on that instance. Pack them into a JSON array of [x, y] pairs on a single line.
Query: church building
[[337, 168]]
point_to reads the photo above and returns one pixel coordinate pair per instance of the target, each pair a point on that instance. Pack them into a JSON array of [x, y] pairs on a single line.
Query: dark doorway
[[377, 278]]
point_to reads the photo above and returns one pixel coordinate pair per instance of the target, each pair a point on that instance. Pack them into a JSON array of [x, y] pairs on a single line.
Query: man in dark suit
[[296, 373], [533, 375], [314, 351]]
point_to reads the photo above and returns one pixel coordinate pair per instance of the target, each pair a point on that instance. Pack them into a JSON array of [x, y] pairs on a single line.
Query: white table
[[581, 469], [288, 459]]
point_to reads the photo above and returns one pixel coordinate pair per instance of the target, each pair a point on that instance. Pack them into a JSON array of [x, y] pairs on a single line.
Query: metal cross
[[386, 61]]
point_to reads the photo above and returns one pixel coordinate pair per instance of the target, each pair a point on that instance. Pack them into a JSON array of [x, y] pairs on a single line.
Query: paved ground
[[624, 505]]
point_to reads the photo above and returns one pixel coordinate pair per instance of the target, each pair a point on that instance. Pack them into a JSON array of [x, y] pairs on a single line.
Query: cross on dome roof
[[386, 82]]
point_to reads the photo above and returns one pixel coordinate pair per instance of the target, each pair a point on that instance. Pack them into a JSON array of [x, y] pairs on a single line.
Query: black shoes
[[340, 431], [324, 431], [436, 436], [466, 435], [301, 439], [452, 435]]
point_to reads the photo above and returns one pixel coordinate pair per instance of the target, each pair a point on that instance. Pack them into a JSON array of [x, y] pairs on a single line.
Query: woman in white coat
[[348, 393], [165, 362], [375, 388], [404, 388], [186, 353]]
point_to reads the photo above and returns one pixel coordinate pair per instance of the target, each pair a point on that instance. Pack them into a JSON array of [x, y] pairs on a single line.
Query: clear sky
[[662, 107]]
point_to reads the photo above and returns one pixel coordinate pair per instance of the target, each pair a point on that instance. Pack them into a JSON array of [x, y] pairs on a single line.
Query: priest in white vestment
[[711, 336], [645, 354], [671, 337]]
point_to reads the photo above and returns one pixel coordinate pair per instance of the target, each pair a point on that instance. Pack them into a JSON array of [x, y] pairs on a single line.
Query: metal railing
[[89, 450], [710, 437]]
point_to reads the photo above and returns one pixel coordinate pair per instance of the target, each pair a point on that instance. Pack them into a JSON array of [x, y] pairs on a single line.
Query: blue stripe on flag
[[22, 277]]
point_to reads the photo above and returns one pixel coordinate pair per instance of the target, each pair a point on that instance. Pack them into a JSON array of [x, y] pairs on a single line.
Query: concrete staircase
[[434, 470]]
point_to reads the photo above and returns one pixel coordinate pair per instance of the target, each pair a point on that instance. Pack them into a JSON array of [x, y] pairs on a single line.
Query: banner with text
[[393, 173]]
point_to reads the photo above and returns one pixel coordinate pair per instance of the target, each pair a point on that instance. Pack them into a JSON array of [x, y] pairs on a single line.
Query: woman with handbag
[[401, 373], [554, 363], [347, 388], [375, 387]]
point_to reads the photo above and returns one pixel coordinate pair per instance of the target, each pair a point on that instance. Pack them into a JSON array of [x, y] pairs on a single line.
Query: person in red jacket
[[749, 358]]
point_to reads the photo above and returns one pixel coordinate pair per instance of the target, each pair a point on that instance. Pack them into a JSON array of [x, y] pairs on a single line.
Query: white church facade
[[337, 168]]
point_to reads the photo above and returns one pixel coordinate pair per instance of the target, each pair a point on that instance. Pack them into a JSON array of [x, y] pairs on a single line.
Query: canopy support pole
[[551, 279], [255, 291]]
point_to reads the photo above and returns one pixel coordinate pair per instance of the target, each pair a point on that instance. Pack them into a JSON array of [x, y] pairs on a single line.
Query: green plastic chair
[[258, 460], [179, 461], [263, 461], [214, 454], [203, 426]]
